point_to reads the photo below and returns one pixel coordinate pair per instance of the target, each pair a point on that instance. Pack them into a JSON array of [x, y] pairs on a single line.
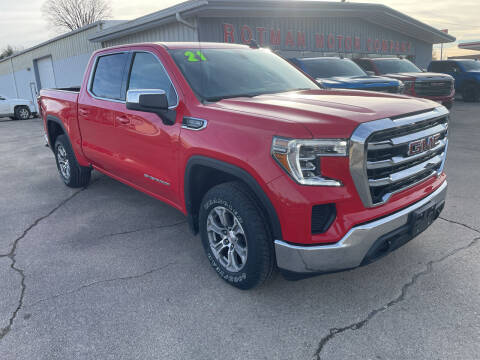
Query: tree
[[6, 52], [73, 14]]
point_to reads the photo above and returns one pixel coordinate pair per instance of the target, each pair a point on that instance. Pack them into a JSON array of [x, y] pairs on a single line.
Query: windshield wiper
[[251, 95], [218, 98]]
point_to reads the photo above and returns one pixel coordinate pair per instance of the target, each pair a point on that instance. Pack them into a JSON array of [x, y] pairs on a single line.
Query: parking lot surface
[[107, 272]]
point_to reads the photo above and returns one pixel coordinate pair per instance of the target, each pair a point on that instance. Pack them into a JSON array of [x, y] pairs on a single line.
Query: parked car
[[428, 85], [466, 73], [17, 109], [267, 167], [342, 73]]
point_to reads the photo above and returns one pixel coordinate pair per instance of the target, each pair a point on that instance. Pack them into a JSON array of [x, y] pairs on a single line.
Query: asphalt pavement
[[107, 272]]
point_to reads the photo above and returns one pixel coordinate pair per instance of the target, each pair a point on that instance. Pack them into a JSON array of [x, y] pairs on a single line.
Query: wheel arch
[[202, 173], [55, 128]]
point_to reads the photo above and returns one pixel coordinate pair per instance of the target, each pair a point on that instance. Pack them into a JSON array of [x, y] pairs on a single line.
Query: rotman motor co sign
[[302, 40]]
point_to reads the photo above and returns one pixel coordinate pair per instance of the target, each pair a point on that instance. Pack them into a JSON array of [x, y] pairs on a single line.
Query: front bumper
[[359, 246]]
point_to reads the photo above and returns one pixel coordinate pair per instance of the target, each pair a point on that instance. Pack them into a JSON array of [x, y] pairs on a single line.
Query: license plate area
[[423, 217]]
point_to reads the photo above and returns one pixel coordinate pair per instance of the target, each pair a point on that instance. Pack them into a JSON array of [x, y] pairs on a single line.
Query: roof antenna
[[254, 44]]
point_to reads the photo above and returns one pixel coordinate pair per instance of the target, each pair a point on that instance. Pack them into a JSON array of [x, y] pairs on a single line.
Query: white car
[[18, 109]]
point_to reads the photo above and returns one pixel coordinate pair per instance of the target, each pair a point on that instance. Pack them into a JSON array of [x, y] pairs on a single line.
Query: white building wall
[[69, 55]]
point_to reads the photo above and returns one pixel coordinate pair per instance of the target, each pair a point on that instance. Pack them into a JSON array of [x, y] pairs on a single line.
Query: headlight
[[301, 158], [408, 87]]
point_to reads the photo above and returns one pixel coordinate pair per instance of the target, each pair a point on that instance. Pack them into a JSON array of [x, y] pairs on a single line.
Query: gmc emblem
[[419, 146]]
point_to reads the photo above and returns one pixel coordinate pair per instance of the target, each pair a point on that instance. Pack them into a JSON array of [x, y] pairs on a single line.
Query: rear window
[[108, 77]]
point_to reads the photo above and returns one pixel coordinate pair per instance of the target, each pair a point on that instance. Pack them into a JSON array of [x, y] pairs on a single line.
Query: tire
[[244, 256], [22, 113], [470, 93], [72, 174]]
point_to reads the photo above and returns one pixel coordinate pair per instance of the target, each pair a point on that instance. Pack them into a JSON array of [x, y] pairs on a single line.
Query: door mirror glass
[[147, 100]]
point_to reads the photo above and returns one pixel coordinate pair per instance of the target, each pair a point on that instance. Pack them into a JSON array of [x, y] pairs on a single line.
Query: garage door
[[45, 72]]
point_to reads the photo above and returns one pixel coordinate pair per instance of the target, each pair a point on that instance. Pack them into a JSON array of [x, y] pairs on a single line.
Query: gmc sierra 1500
[[269, 168]]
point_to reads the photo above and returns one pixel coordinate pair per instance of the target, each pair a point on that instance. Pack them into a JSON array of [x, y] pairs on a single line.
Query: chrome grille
[[380, 159]]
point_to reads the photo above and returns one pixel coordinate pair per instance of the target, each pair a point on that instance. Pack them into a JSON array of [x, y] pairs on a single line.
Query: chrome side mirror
[[153, 101], [148, 100]]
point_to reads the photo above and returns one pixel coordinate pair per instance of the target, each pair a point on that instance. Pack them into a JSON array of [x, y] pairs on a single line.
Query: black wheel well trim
[[57, 121], [237, 172]]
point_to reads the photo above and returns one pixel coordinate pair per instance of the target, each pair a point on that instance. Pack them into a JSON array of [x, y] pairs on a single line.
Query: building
[[292, 28], [59, 62]]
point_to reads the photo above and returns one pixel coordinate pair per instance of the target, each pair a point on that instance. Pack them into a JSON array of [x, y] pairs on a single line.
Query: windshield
[[470, 65], [216, 74], [392, 66], [326, 68]]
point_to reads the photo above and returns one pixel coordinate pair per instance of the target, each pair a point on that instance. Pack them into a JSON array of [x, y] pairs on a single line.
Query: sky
[[22, 24]]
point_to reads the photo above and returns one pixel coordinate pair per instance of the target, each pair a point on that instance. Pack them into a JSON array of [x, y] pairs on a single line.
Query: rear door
[[97, 106], [146, 146]]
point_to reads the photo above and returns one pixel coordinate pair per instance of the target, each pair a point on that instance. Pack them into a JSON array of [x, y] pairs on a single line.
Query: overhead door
[[45, 73]]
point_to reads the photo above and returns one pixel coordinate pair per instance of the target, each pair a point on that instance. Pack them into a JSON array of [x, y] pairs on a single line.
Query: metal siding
[[170, 32], [6, 86], [211, 29], [423, 54]]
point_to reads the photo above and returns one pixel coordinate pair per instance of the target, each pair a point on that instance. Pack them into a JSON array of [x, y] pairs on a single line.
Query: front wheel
[[235, 236], [72, 174]]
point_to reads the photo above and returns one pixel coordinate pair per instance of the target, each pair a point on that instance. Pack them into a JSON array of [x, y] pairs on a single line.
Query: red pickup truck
[[429, 85], [271, 170]]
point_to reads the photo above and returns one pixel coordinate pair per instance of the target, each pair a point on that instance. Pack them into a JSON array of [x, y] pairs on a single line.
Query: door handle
[[83, 112], [123, 120]]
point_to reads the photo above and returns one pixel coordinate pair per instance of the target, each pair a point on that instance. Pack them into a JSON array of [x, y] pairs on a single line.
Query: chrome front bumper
[[352, 249]]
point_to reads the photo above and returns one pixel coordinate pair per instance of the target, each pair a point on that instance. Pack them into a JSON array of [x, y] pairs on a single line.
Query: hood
[[327, 113], [419, 75], [357, 82]]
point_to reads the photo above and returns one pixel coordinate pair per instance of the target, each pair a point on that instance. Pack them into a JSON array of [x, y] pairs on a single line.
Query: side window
[[107, 80], [148, 73]]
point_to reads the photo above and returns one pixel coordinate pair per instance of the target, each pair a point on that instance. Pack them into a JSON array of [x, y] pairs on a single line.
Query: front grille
[[433, 88], [382, 160], [387, 89]]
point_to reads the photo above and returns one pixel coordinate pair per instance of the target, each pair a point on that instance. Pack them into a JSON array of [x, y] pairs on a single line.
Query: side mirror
[[424, 70], [147, 100], [153, 101], [370, 73]]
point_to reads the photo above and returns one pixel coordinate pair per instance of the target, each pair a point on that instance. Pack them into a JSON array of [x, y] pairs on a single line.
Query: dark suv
[[466, 73]]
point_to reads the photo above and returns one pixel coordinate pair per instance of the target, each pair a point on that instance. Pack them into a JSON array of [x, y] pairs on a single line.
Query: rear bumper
[[361, 245]]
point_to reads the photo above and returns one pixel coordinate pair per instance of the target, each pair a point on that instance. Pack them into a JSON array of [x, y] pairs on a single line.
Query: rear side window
[[108, 77], [148, 73]]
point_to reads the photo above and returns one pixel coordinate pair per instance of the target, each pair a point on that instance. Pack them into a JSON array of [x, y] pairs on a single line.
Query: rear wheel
[[235, 236], [72, 174], [470, 93], [22, 113]]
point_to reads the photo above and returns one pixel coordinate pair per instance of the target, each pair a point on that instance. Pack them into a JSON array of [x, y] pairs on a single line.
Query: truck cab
[[343, 73], [428, 85], [466, 73]]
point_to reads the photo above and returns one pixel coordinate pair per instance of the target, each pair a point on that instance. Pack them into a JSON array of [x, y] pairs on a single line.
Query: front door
[[4, 107], [146, 145]]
